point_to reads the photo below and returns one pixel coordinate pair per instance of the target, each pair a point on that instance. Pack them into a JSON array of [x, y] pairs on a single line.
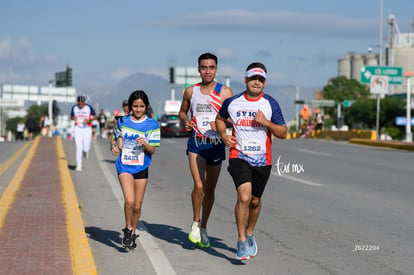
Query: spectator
[[102, 119], [305, 115], [20, 130], [45, 123], [318, 120], [30, 126]]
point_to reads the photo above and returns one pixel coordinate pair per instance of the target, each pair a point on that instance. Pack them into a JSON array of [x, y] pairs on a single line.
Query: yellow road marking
[[11, 160], [80, 251], [8, 196]]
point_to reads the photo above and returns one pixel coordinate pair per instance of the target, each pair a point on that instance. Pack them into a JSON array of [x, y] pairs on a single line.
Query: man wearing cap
[[256, 117], [83, 114]]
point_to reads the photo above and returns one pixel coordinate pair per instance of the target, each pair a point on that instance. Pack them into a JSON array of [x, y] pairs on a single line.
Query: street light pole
[[408, 134], [380, 63], [380, 35], [50, 112]]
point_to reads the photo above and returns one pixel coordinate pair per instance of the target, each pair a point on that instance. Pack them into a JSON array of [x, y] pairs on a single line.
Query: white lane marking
[[315, 152], [307, 182], [158, 259]]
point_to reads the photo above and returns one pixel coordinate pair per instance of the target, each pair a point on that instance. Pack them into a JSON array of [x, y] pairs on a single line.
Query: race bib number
[[251, 147], [134, 156], [203, 123], [80, 121]]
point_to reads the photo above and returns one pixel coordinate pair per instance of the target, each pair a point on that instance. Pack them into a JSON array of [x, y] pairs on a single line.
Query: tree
[[11, 124], [38, 112], [341, 88], [363, 114]]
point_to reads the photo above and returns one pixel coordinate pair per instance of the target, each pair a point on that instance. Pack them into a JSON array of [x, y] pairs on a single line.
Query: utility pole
[[50, 111], [408, 134], [380, 63], [297, 109]]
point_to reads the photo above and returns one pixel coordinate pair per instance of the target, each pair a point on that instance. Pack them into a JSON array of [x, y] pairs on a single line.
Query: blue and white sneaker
[[251, 245], [242, 251], [204, 243]]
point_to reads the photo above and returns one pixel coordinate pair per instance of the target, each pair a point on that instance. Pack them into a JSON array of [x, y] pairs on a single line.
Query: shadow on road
[[177, 236], [108, 237]]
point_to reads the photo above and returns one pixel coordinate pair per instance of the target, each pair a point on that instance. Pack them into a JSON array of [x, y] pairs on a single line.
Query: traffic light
[[55, 108], [68, 76], [172, 79]]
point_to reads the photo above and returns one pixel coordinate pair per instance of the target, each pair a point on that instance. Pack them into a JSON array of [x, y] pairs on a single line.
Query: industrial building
[[399, 52]]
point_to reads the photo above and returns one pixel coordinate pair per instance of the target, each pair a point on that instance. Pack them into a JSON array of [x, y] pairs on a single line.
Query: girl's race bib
[[134, 156]]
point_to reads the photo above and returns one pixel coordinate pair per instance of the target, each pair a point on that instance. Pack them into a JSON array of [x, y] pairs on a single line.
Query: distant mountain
[[110, 98], [159, 90]]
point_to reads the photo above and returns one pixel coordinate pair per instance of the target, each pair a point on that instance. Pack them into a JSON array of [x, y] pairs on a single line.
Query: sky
[[299, 41]]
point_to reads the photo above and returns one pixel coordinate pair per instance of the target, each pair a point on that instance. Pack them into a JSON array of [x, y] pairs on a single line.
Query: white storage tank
[[356, 62], [371, 59], [344, 66]]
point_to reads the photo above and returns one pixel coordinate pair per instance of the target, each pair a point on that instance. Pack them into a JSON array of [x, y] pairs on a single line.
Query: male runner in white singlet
[[205, 149]]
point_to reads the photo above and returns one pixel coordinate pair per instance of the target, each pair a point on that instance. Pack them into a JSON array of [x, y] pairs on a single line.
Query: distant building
[[399, 53], [350, 65]]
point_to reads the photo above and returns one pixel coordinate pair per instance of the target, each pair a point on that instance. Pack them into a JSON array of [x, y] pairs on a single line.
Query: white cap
[[256, 71]]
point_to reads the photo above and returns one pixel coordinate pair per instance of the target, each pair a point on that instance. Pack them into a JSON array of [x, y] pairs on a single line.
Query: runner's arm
[[185, 106], [280, 131]]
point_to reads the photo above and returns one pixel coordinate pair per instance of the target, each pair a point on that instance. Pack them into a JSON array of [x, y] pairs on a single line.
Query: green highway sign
[[321, 102], [317, 102], [348, 103], [395, 75]]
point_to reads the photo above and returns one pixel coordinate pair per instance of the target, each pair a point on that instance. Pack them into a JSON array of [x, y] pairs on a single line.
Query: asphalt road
[[329, 208]]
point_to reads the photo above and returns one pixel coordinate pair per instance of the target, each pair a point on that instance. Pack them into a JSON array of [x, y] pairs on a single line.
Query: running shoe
[[133, 244], [194, 235], [127, 240], [78, 167], [204, 243], [251, 245], [242, 250]]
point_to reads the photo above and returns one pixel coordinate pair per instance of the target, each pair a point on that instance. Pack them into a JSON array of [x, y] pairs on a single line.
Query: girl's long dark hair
[[138, 94]]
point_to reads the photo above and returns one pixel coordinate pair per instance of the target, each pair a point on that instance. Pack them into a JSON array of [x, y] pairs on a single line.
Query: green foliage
[[38, 111], [341, 88], [11, 124], [394, 132], [363, 113]]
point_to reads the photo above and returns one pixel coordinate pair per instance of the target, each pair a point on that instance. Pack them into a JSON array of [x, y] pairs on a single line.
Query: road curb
[[80, 251], [383, 143]]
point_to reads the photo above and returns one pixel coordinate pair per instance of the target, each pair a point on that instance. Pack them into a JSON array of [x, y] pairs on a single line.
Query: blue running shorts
[[212, 150]]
